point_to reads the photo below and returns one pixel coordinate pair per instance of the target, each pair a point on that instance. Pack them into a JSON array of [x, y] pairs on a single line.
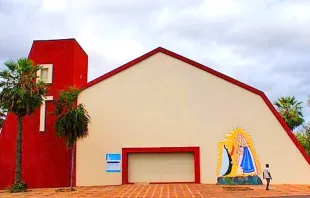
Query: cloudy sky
[[265, 43]]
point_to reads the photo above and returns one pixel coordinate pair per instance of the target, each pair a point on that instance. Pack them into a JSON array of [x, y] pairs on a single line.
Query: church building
[[160, 118]]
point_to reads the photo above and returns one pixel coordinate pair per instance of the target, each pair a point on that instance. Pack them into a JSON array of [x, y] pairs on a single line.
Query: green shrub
[[18, 187]]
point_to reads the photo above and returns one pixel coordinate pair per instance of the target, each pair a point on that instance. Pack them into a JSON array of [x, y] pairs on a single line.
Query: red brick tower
[[46, 160]]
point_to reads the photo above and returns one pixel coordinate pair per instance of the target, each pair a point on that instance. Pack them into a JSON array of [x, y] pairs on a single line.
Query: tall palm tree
[[3, 114], [21, 95], [72, 121], [290, 110]]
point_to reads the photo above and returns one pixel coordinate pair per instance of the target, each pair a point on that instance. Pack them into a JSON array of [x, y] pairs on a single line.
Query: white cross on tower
[[43, 112]]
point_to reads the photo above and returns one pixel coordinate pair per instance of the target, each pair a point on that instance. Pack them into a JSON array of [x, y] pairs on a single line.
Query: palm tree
[[72, 121], [21, 95], [303, 136], [3, 114], [290, 110]]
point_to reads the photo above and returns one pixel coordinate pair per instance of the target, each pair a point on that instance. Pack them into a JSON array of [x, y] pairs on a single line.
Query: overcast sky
[[264, 43]]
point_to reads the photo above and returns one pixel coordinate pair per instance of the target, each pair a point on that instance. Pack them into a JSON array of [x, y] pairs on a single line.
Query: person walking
[[267, 175]]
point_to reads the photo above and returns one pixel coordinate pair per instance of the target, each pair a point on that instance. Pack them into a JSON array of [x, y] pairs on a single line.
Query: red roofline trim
[[211, 71]]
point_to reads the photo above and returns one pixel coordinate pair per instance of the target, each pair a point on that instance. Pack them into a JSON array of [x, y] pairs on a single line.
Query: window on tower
[[46, 73]]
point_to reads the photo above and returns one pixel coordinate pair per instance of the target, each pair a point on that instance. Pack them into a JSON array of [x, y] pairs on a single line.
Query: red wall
[[46, 159]]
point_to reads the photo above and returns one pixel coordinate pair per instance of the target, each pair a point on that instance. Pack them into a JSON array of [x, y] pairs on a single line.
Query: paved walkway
[[168, 190]]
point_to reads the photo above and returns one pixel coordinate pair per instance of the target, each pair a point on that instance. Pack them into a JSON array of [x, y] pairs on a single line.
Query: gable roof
[[211, 71]]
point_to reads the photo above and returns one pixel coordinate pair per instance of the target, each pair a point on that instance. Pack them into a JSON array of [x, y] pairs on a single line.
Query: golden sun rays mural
[[237, 160]]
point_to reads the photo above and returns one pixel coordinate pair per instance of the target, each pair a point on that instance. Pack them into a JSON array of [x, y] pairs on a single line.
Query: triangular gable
[[211, 71]]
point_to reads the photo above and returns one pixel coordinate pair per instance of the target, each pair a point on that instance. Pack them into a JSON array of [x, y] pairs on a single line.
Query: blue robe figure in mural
[[247, 161]]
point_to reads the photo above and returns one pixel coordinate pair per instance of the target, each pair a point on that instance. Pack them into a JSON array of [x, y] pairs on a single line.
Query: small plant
[[18, 187]]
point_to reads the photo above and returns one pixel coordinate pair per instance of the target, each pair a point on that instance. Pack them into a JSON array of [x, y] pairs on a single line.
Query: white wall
[[162, 101]]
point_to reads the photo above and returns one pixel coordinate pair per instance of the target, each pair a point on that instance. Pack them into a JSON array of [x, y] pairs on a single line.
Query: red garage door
[[161, 165]]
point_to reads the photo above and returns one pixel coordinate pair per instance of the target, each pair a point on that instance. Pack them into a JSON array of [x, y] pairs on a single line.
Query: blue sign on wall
[[112, 157], [113, 163]]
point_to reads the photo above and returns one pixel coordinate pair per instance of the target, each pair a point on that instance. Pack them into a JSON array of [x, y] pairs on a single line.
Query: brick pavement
[[167, 190]]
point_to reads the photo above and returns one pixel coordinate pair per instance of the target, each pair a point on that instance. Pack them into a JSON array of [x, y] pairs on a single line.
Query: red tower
[[46, 159]]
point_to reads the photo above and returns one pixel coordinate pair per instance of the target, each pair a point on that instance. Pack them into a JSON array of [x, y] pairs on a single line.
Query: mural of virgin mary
[[244, 156]]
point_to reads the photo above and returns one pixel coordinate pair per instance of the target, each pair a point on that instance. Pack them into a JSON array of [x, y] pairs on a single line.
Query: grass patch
[[65, 190], [18, 187]]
